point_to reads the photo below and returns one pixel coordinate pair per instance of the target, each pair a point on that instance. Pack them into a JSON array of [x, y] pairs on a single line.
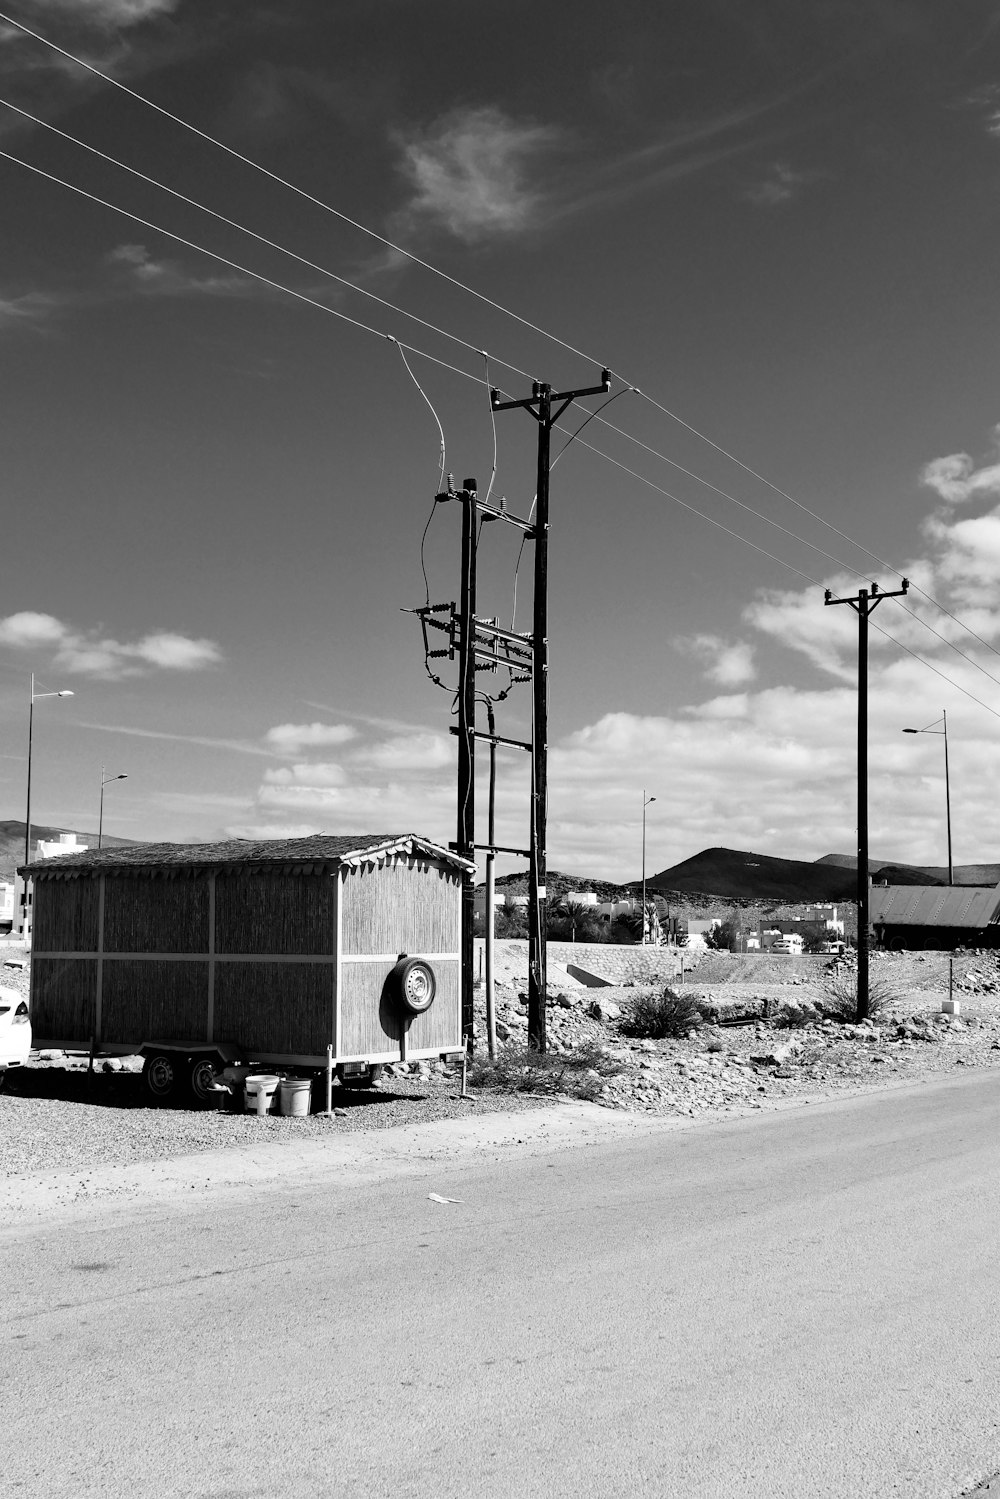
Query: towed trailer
[[292, 953]]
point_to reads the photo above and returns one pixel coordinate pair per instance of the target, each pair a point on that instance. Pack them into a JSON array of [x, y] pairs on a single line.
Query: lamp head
[[911, 731], [67, 692]]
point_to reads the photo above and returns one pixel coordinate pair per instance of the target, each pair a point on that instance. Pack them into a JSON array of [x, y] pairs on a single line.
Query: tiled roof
[[322, 848]]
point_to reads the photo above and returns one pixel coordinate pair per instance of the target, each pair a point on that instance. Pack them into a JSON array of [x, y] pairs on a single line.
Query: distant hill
[[929, 874], [558, 884], [739, 875], [12, 842]]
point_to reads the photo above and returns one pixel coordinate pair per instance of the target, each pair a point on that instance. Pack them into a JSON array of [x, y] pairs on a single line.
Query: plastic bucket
[[296, 1095], [259, 1093]]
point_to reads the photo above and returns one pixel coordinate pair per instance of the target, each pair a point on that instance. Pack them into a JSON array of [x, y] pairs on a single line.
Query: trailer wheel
[[415, 985], [202, 1073], [367, 1079], [159, 1075]]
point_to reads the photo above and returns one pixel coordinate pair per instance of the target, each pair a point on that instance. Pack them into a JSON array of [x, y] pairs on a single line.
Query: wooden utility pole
[[466, 834], [546, 407], [864, 604]]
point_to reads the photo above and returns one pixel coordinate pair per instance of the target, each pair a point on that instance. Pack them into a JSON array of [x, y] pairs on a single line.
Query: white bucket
[[259, 1093], [296, 1095]]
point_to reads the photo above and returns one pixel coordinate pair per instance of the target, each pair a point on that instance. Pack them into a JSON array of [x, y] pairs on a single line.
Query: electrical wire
[[444, 364], [480, 296], [262, 239], [944, 677]]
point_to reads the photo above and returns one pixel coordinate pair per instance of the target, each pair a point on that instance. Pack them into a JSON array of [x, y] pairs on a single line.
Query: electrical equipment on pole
[[546, 406], [482, 645], [863, 604]]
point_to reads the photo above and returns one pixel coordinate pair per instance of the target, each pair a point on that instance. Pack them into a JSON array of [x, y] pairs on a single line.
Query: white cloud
[[730, 665], [778, 185], [290, 738], [88, 654], [121, 13], [412, 752], [470, 172], [956, 479], [167, 278]]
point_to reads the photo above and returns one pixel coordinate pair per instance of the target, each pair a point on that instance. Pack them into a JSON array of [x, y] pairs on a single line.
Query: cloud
[[167, 278], [119, 13], [956, 479], [89, 654], [471, 173], [728, 665], [27, 310], [290, 738], [779, 185], [240, 746]]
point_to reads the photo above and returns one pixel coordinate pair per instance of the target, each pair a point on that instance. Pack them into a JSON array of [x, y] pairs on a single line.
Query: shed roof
[[323, 849], [935, 905]]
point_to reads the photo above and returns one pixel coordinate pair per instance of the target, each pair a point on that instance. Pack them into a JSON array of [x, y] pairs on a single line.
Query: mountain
[[740, 875], [12, 843], [929, 874]]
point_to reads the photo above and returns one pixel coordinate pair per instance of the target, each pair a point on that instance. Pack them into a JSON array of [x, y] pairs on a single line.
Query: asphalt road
[[796, 1304]]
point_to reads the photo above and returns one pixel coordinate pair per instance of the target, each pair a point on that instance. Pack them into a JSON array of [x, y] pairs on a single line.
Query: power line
[[443, 364], [471, 291]]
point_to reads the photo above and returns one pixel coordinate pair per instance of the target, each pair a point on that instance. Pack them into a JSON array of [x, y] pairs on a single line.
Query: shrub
[[839, 999], [653, 1017], [518, 1069]]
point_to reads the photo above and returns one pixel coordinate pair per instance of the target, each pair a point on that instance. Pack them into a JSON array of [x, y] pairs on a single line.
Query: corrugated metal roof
[[322, 848], [935, 905]]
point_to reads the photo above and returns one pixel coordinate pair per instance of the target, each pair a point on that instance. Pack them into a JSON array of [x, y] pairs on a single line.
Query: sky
[[220, 441]]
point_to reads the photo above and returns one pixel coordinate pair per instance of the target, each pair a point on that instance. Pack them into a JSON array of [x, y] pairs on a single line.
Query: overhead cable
[[482, 297]]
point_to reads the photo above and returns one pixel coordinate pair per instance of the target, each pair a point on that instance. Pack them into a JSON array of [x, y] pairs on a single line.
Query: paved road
[[797, 1304]]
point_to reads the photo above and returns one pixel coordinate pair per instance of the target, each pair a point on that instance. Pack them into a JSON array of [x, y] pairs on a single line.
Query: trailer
[[282, 953]]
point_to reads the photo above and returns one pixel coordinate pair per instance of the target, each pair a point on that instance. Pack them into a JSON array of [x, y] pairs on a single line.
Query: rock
[[777, 1054], [599, 1009], [503, 1031], [51, 1056], [111, 1064]]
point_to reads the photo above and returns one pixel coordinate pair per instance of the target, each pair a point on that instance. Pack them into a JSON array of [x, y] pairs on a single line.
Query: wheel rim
[[418, 988], [203, 1081], [160, 1076]]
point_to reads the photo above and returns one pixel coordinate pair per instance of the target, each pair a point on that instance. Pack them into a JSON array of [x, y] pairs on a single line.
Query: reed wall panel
[[64, 915], [370, 1018], [146, 914], [63, 999], [150, 1001], [275, 913], [403, 907], [275, 1007]]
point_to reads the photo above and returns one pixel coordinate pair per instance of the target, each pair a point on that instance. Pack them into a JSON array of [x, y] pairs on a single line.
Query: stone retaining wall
[[615, 965]]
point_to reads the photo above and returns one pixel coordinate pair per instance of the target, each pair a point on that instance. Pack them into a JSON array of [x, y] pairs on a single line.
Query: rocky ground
[[765, 1042]]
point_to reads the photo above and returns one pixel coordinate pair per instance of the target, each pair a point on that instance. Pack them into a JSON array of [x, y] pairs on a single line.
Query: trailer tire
[[201, 1076], [415, 985], [160, 1076], [367, 1079]]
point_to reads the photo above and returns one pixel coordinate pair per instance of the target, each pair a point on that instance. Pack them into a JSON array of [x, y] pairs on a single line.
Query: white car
[[15, 1030]]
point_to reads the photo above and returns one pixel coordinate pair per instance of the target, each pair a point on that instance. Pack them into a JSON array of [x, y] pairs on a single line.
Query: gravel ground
[[54, 1117]]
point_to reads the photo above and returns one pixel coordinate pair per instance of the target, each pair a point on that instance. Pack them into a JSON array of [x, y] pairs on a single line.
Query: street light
[[932, 728], [27, 816], [105, 781], [645, 803]]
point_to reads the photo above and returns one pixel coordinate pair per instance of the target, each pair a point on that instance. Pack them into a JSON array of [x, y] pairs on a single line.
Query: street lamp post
[[105, 781], [645, 803], [27, 815], [932, 728]]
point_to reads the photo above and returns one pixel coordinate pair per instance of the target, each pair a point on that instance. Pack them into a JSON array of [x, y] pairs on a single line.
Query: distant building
[[66, 843]]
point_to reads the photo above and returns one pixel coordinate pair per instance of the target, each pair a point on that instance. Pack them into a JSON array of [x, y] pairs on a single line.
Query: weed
[[653, 1017], [840, 997], [519, 1069]]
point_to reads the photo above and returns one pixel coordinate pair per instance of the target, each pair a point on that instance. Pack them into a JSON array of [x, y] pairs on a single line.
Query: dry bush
[[840, 996], [519, 1069], [653, 1017]]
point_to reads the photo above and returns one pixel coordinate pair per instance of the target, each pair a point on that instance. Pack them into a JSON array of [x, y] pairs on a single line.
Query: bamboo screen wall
[[249, 957]]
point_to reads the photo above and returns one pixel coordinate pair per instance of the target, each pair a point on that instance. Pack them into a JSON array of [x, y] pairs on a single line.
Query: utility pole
[[546, 406], [864, 605], [466, 835]]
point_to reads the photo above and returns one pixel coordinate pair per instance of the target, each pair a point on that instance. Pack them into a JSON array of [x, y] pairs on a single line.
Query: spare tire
[[414, 985]]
